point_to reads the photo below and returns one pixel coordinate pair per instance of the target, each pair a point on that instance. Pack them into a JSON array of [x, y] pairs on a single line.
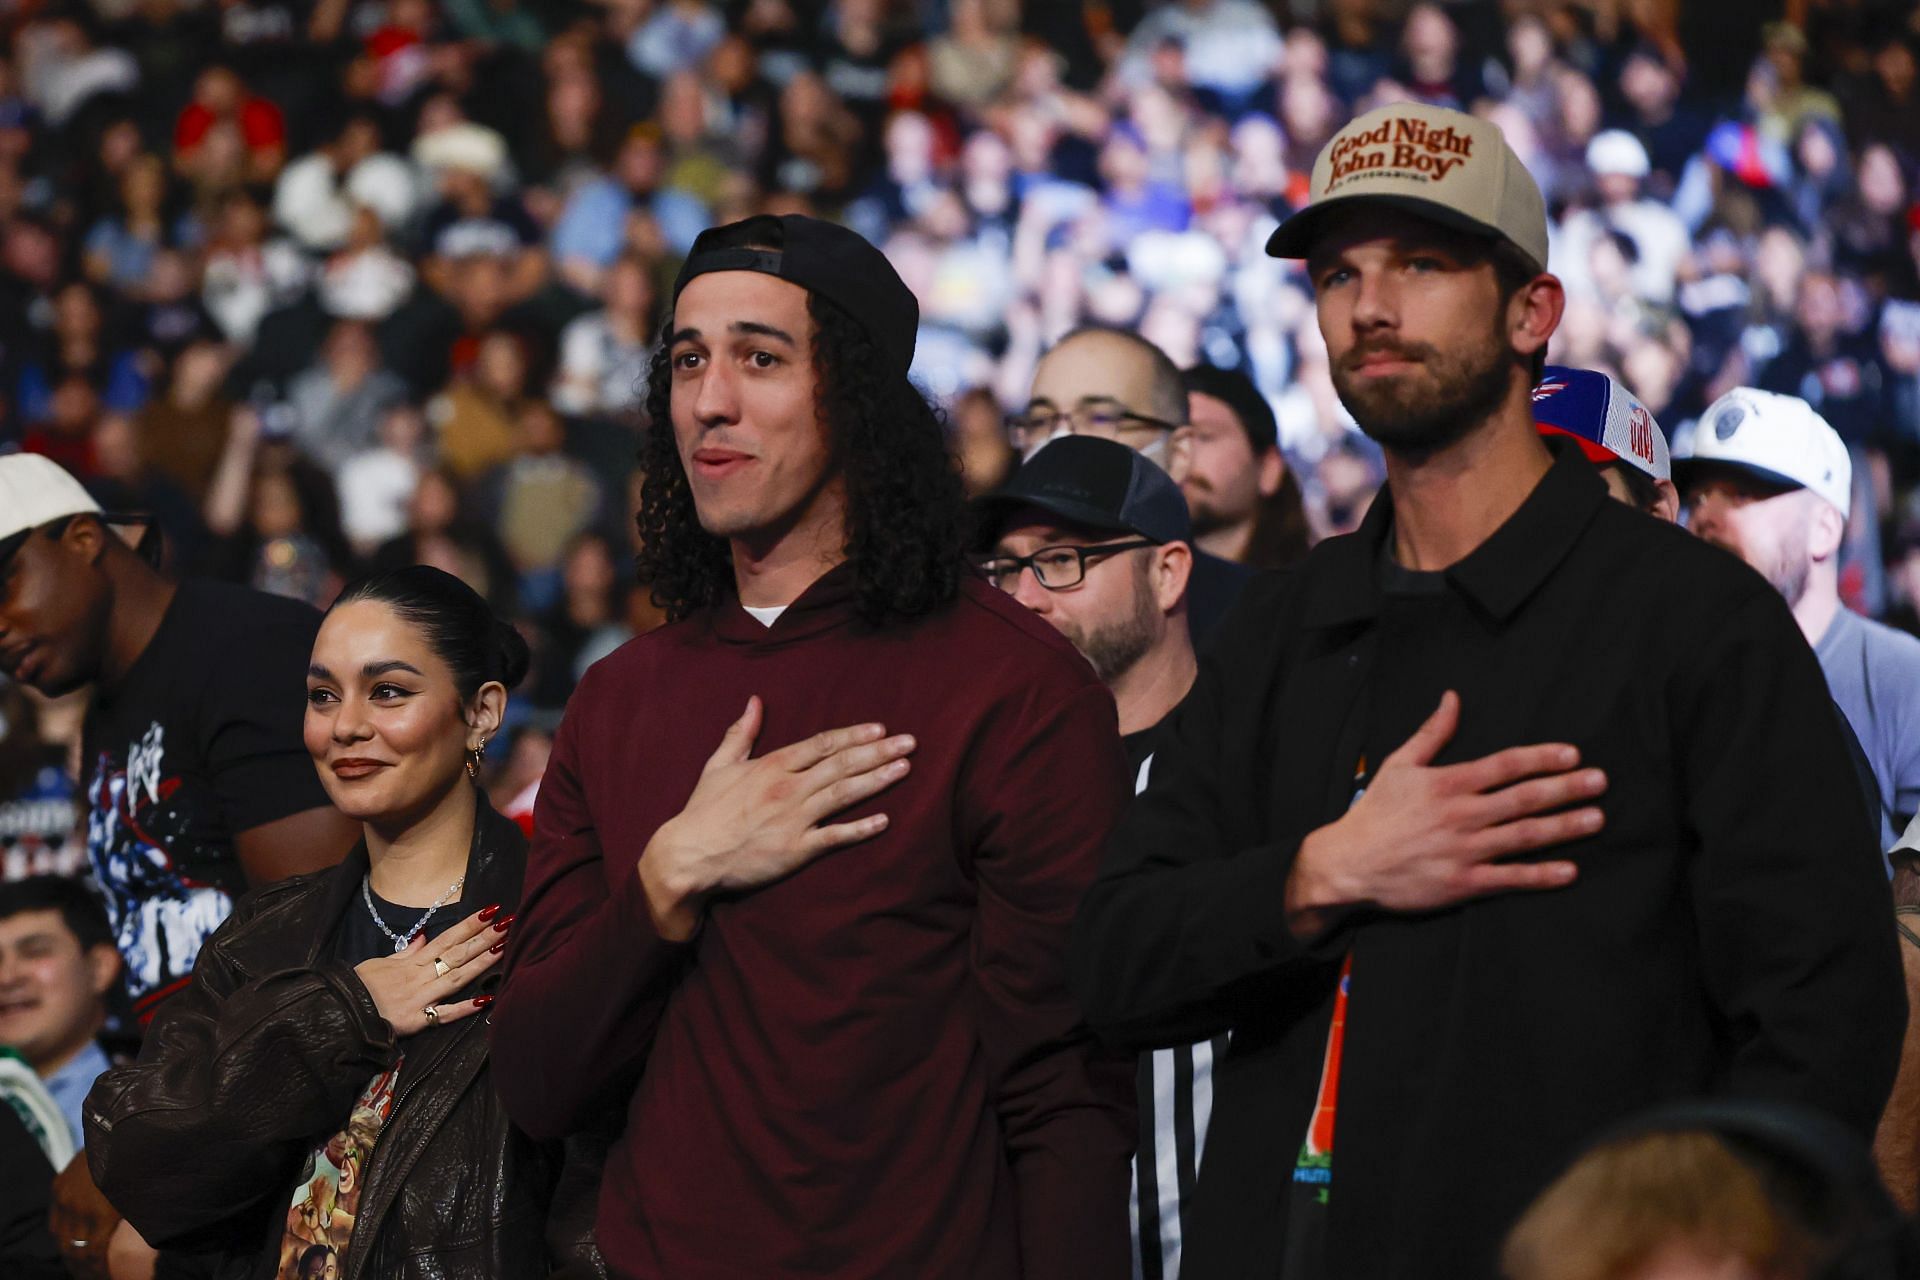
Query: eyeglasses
[[1108, 419], [1055, 568]]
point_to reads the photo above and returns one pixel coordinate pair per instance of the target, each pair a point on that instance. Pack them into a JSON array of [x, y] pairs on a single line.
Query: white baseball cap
[[36, 490], [1443, 165], [1777, 438], [1617, 152]]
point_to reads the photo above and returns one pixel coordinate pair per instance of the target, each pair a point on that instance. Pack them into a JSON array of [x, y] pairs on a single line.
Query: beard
[[1420, 416], [1112, 648], [1786, 571], [1206, 511]]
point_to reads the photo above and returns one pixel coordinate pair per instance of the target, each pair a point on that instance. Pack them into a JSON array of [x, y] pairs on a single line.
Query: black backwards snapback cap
[[824, 257], [1097, 484]]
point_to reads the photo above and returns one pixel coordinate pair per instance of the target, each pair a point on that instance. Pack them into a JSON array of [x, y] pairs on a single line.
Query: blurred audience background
[[338, 284]]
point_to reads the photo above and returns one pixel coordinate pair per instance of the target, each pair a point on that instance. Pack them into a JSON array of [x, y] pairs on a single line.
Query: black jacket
[[1730, 929], [200, 1142]]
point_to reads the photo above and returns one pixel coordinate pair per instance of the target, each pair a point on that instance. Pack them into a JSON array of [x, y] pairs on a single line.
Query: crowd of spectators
[[331, 285]]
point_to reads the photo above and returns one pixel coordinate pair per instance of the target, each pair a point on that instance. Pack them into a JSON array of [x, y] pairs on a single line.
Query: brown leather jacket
[[199, 1142]]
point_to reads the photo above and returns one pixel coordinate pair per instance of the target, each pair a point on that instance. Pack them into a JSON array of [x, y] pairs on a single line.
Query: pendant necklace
[[400, 941]]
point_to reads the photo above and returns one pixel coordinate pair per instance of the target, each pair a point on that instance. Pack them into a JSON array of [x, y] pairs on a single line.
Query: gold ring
[[433, 1016], [441, 968]]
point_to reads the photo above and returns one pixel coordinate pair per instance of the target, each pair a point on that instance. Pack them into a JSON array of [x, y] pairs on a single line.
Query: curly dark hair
[[906, 511]]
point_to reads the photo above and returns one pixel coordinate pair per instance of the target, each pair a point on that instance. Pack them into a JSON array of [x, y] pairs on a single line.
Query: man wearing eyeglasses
[[1508, 816], [1098, 541], [1118, 386]]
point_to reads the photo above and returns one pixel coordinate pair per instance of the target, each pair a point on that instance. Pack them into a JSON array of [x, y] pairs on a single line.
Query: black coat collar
[[1498, 576]]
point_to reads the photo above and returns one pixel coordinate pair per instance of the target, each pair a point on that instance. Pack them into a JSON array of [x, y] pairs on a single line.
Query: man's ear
[[1826, 527], [1534, 313], [1667, 504], [103, 967], [1270, 470], [1172, 567], [86, 537]]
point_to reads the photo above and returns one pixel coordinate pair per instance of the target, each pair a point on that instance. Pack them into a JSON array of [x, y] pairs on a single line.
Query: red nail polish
[[500, 925], [498, 947], [481, 1002], [488, 913]]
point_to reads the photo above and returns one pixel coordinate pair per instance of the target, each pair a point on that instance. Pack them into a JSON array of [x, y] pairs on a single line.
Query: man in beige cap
[[1508, 815]]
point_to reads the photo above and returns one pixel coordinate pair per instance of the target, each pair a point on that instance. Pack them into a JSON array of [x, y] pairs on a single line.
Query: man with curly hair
[[826, 982]]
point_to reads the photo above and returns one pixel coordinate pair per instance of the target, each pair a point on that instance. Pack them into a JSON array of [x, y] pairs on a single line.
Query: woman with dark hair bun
[[327, 1048]]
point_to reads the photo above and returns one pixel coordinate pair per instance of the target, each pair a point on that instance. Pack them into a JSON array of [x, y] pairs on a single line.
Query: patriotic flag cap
[[1608, 421]]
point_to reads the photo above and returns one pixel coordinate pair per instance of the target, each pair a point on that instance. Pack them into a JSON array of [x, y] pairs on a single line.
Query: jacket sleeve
[[1791, 900], [1186, 922], [232, 1083], [1039, 801], [587, 977]]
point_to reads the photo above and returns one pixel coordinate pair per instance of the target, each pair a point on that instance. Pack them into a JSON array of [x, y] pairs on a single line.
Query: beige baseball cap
[[1447, 166]]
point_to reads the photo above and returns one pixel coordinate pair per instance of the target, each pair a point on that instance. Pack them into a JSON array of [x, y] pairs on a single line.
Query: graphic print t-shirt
[[325, 1204], [199, 741], [326, 1199]]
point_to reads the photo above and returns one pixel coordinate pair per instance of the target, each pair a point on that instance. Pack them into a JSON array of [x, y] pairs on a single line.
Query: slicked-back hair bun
[[477, 645], [510, 654]]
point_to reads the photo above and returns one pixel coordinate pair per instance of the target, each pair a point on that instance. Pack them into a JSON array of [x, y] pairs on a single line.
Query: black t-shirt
[[1139, 748], [200, 741], [356, 937]]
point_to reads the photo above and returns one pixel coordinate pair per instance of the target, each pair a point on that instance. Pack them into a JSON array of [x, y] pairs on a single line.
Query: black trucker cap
[[824, 257], [1098, 484]]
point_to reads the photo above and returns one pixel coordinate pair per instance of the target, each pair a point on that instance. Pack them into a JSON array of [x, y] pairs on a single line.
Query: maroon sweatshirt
[[872, 1068]]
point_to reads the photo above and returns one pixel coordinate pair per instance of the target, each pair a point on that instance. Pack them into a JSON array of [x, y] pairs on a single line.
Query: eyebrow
[[738, 328], [319, 672], [1049, 535], [1082, 402]]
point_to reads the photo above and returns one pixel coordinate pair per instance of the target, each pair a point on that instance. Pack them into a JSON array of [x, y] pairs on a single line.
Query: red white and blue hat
[[1608, 421]]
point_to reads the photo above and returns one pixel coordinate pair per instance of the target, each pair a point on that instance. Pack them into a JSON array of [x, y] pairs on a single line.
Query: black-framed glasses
[[1105, 418], [1055, 568]]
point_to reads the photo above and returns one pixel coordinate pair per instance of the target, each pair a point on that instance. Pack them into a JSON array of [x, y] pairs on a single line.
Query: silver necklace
[[400, 942]]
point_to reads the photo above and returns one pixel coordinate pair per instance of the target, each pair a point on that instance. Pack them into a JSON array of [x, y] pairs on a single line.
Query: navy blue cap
[[1097, 484], [823, 257]]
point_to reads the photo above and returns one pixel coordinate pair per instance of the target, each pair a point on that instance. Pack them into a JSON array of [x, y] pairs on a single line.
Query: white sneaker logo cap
[[1450, 167], [1778, 438]]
